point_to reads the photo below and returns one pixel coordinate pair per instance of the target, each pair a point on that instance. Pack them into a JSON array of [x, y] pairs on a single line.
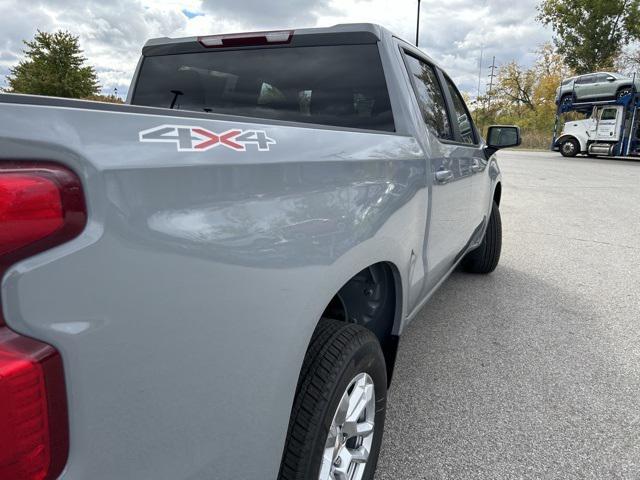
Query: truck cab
[[596, 135]]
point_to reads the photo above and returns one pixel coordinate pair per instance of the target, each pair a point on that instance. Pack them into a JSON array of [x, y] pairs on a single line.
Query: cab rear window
[[340, 86]]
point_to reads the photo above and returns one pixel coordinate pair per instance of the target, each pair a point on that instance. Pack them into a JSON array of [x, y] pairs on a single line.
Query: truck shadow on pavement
[[507, 376]]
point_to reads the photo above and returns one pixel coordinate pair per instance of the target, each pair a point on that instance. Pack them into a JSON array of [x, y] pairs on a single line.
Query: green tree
[[590, 34], [54, 66], [515, 84], [525, 97], [111, 98]]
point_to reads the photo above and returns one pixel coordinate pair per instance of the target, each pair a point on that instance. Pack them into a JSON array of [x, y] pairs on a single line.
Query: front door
[[471, 155], [603, 87], [608, 128]]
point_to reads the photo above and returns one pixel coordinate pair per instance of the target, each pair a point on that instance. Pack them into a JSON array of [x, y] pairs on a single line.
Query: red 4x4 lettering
[[215, 140]]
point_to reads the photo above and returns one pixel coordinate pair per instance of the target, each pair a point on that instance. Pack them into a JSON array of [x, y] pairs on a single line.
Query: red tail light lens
[[30, 209], [246, 39], [41, 206], [33, 414]]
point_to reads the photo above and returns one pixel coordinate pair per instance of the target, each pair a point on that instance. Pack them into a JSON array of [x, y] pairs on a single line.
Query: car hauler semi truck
[[609, 129]]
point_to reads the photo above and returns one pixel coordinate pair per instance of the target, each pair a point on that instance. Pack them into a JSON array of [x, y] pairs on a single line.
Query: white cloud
[[112, 32]]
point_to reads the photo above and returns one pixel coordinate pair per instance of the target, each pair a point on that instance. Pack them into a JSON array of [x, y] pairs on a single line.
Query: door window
[[430, 97], [586, 79], [461, 114], [608, 114]]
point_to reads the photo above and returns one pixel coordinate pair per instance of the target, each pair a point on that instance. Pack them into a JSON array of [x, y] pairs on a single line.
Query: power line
[[479, 81]]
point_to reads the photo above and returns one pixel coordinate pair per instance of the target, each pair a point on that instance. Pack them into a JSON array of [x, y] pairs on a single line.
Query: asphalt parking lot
[[532, 372]]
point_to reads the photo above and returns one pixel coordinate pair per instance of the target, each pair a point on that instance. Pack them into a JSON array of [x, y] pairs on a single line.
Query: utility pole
[[491, 77], [418, 24], [479, 80]]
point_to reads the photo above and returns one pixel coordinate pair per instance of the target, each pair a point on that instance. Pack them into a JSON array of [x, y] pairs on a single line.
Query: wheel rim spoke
[[359, 455], [358, 401], [357, 429], [332, 438], [343, 410]]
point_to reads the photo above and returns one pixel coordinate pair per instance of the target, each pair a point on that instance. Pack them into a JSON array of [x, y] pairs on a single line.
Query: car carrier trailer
[[610, 128]]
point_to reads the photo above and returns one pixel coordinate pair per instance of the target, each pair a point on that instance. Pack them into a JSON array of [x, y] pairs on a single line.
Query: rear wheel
[[623, 92], [485, 258], [336, 423], [566, 99], [569, 147]]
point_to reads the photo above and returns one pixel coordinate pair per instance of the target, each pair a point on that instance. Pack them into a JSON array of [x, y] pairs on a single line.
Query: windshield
[[332, 85]]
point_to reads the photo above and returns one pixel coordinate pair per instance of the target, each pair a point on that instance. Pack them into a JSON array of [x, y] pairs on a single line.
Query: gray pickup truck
[[210, 282]]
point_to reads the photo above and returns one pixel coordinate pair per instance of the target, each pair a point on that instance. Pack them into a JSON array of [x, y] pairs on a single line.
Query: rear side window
[[430, 97], [341, 85], [461, 114]]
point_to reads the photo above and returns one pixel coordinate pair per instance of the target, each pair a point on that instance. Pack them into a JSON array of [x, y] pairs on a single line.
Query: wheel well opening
[[370, 298], [497, 194]]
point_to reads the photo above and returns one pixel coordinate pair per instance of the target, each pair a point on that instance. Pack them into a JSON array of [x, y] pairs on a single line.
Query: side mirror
[[610, 78], [502, 136]]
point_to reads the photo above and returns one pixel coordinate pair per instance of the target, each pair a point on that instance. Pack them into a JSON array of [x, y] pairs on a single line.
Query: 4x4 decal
[[198, 139]]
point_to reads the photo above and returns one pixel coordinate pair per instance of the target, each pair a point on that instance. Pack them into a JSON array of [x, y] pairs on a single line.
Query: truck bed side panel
[[183, 311]]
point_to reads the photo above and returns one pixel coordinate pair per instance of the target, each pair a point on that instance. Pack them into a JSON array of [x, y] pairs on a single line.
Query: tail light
[[246, 39], [41, 206]]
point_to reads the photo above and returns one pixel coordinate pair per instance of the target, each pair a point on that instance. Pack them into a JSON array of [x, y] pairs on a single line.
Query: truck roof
[[346, 33]]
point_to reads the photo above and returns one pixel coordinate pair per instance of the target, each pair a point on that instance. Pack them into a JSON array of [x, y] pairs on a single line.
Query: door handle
[[444, 176], [475, 165]]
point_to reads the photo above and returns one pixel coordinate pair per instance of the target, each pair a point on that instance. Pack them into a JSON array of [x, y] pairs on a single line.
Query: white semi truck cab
[[596, 135]]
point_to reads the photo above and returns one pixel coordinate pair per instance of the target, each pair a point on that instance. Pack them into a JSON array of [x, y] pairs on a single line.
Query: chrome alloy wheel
[[568, 148], [351, 433]]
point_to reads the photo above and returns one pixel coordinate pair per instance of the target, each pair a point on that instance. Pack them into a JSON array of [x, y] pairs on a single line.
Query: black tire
[[569, 147], [338, 352], [567, 99], [485, 258], [623, 92]]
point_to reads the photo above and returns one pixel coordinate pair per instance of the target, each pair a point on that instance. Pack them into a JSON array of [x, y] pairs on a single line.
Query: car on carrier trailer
[[211, 281], [609, 129], [595, 86]]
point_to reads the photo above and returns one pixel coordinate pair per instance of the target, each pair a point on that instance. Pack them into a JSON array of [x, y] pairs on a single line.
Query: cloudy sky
[[112, 32]]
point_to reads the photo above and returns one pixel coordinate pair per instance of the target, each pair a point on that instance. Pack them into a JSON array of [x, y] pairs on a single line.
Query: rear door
[[449, 171]]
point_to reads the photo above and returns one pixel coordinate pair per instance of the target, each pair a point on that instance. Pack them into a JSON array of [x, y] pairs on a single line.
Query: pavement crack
[[599, 242]]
